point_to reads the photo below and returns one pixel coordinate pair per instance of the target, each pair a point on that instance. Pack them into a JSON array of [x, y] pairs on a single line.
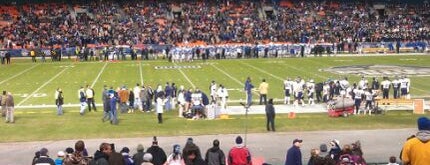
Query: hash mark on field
[[20, 73], [185, 76], [46, 83], [262, 71], [98, 76]]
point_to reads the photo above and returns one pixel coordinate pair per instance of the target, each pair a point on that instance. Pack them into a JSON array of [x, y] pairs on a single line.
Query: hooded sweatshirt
[[215, 156], [416, 150]]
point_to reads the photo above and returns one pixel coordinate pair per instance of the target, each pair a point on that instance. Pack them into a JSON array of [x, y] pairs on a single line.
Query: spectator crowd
[[80, 23]]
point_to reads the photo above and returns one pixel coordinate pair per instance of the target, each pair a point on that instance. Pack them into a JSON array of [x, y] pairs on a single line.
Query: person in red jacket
[[239, 154]]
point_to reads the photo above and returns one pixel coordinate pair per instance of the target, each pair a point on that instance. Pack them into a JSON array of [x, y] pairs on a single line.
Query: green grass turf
[[38, 125], [41, 80], [24, 78]]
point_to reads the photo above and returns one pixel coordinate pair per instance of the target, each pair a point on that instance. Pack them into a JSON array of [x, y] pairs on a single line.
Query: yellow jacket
[[263, 88], [416, 151]]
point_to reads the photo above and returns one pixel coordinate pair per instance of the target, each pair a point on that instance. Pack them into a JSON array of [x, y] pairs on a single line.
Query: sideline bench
[[417, 105], [396, 102]]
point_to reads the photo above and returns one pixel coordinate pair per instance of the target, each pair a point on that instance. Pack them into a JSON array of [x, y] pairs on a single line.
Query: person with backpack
[[214, 155]]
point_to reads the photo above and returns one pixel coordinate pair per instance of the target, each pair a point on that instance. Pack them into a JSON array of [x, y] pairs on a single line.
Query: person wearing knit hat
[[147, 158], [138, 157], [239, 154], [60, 158], [416, 150]]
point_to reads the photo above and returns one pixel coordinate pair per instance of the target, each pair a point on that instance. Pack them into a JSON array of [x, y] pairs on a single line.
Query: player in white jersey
[[408, 82], [288, 88], [298, 92], [396, 87], [403, 87], [363, 83], [369, 100], [137, 101], [222, 95], [385, 86], [358, 92], [326, 92], [311, 90], [344, 84], [212, 89]]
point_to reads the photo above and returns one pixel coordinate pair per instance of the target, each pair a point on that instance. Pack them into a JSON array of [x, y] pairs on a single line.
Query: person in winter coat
[[214, 155], [125, 154], [138, 157], [316, 159], [101, 156], [416, 150], [294, 155], [239, 154], [158, 155], [270, 116]]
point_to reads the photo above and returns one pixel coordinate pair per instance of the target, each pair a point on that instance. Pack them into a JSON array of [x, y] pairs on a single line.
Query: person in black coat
[[270, 115], [159, 157]]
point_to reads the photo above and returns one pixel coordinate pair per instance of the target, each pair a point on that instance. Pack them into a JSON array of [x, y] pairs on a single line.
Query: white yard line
[[231, 77], [297, 69], [186, 77], [140, 71], [20, 73], [37, 90], [262, 71], [98, 76]]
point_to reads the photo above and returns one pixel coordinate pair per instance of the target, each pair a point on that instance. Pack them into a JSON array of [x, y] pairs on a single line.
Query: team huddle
[[361, 91]]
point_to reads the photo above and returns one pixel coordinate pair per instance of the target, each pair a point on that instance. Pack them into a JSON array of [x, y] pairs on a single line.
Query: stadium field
[[33, 86]]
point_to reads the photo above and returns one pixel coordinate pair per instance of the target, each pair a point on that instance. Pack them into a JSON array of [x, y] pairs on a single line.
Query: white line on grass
[[186, 77], [140, 71], [46, 83], [297, 69], [228, 75], [98, 76], [262, 71], [20, 73]]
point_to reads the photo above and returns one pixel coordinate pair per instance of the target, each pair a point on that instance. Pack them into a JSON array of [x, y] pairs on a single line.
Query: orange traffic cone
[[291, 115]]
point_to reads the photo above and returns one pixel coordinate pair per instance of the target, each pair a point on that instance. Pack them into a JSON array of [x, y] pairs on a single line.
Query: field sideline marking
[[231, 77], [20, 73], [141, 75], [46, 83], [262, 71], [98, 76], [186, 77]]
